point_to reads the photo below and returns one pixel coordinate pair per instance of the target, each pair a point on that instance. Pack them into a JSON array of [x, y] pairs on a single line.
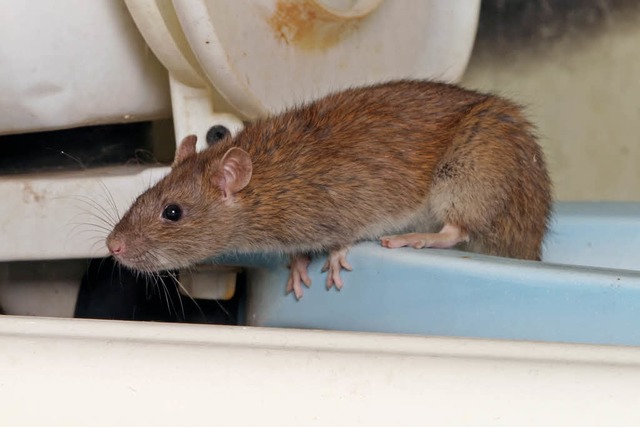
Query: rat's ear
[[187, 147], [235, 171]]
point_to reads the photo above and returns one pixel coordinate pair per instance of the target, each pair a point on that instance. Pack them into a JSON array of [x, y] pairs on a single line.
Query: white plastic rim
[[193, 17], [196, 104], [106, 373], [159, 25]]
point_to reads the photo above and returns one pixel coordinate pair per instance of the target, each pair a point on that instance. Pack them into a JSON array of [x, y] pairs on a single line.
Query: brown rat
[[412, 163]]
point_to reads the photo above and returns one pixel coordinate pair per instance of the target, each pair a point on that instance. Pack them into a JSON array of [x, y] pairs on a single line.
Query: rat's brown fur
[[356, 165]]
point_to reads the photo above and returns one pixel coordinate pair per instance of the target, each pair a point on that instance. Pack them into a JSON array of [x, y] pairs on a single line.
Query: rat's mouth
[[148, 262]]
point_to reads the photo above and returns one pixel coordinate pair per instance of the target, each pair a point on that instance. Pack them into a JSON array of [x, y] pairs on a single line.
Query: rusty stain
[[30, 195], [304, 24]]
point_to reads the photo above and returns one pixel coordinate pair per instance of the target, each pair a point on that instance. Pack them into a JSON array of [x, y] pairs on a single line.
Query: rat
[[407, 162]]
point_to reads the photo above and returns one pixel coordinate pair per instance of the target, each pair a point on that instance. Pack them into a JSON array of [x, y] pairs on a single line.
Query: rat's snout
[[116, 245]]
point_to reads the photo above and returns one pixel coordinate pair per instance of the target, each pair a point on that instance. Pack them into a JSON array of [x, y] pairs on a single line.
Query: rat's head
[[187, 216]]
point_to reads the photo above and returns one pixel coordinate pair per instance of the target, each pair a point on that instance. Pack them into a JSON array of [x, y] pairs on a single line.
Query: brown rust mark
[[306, 25], [30, 195]]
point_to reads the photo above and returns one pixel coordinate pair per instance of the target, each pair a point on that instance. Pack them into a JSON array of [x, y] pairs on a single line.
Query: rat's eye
[[172, 213]]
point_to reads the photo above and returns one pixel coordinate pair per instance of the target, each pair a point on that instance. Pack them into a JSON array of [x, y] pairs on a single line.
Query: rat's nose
[[115, 245]]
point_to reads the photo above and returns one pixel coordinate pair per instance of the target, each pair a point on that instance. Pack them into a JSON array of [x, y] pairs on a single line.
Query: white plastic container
[[70, 63]]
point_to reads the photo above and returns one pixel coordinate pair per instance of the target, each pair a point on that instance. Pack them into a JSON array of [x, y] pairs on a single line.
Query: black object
[[77, 148], [109, 291], [216, 133]]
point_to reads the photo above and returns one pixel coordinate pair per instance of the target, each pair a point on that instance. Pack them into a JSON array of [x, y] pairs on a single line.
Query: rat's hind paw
[[298, 275], [448, 237], [336, 261]]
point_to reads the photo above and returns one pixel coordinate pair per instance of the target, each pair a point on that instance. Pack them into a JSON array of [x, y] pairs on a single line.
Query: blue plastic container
[[587, 289]]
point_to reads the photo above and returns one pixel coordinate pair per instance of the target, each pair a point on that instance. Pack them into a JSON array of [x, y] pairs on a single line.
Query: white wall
[[583, 92]]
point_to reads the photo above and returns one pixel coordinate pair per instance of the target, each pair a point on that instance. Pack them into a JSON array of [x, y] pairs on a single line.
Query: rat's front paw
[[298, 275], [336, 261]]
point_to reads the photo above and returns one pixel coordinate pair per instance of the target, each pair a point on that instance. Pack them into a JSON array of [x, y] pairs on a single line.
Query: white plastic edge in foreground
[[79, 372]]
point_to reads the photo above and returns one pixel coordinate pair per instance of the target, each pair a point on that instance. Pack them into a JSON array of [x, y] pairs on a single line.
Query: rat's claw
[[298, 275], [336, 261]]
